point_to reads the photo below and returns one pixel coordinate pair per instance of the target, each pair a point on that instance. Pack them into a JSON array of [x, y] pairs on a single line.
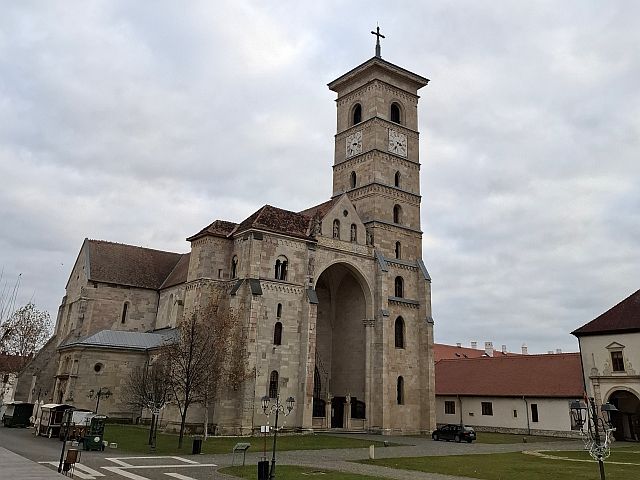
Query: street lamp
[[276, 408], [102, 392], [587, 416]]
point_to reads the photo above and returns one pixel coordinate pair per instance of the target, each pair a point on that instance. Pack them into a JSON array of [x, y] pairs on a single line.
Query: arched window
[[354, 232], [357, 114], [400, 391], [279, 310], [125, 311], [395, 112], [396, 179], [277, 334], [281, 268], [397, 213], [398, 250], [273, 384], [234, 267], [353, 179], [399, 332], [336, 229], [399, 287]]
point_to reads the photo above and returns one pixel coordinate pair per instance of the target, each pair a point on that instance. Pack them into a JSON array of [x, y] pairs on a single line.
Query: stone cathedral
[[335, 299]]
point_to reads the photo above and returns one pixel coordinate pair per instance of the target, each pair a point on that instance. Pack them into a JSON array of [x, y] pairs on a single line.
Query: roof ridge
[[109, 242]]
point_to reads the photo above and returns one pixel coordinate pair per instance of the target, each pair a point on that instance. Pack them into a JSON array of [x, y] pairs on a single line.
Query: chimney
[[504, 349], [488, 349], [458, 344], [474, 345], [525, 350], [558, 350]]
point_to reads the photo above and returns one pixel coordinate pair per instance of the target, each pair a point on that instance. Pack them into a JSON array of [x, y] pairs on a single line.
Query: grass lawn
[[134, 439], [490, 437], [621, 454], [285, 472], [510, 466]]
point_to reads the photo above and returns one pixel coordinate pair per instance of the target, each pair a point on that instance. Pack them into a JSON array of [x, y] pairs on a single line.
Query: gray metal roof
[[123, 339]]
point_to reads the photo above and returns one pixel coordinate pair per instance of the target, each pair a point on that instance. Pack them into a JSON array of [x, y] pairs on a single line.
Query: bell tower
[[377, 160]]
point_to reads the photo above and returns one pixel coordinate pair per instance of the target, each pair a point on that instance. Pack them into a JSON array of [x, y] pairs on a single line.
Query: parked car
[[457, 433]]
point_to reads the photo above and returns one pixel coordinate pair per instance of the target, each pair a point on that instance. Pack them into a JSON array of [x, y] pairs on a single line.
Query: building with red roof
[[610, 349], [509, 393]]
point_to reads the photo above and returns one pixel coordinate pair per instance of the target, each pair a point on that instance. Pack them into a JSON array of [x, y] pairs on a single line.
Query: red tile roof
[[320, 209], [122, 264], [219, 228], [277, 220], [624, 317], [179, 273], [442, 351], [551, 375]]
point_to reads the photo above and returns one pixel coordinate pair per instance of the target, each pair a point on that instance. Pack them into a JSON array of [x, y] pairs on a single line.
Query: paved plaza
[[114, 464]]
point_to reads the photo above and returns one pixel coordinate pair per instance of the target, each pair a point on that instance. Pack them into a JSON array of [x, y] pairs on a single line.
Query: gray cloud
[[141, 125]]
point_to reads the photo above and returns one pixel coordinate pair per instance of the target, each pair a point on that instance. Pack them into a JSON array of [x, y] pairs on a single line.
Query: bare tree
[[187, 359], [147, 388], [25, 331]]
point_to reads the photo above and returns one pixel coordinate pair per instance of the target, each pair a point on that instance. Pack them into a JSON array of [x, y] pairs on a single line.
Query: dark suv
[[456, 433]]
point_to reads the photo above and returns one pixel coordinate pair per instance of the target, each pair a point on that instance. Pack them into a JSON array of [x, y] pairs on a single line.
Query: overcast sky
[[141, 122]]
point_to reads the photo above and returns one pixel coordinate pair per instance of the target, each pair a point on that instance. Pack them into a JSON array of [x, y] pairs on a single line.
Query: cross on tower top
[[378, 36]]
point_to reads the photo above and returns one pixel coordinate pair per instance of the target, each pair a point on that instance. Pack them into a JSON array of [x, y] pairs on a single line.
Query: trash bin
[[197, 446], [263, 470]]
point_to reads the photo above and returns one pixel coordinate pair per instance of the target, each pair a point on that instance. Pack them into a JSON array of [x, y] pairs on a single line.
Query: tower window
[[279, 310], [398, 250], [396, 179], [357, 114], [397, 214], [354, 232], [273, 384], [353, 179], [277, 334], [281, 268], [400, 391], [234, 267], [395, 113], [125, 310], [336, 229], [399, 331], [399, 287]]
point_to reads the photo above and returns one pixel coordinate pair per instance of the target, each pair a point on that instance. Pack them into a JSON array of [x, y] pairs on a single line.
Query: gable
[[346, 215], [623, 317]]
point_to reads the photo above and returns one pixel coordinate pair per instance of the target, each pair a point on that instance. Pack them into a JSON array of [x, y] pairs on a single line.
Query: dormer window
[[357, 114]]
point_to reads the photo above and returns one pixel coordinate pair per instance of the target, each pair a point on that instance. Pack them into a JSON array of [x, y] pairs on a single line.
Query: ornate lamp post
[[102, 392], [276, 408], [598, 434]]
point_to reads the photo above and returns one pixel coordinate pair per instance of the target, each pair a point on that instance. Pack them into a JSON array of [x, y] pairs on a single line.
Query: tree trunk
[[183, 419], [206, 421]]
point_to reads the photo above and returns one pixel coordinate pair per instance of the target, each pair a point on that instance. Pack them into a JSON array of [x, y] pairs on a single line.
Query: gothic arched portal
[[341, 343]]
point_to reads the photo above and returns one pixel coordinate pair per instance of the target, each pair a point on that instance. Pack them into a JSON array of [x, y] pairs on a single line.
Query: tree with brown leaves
[[25, 331]]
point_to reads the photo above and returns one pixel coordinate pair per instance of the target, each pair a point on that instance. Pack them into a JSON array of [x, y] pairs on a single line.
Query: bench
[[240, 448]]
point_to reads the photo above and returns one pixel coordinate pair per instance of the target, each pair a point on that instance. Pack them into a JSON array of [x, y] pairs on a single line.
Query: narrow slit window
[[357, 114], [273, 384], [395, 113], [397, 214], [396, 179], [399, 332], [400, 391], [353, 179], [125, 311], [277, 334], [399, 287], [398, 250]]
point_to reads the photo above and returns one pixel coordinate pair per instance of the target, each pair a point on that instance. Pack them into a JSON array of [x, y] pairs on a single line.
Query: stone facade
[[320, 293]]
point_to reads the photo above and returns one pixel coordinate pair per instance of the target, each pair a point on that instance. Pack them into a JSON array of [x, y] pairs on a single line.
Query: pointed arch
[[397, 213]]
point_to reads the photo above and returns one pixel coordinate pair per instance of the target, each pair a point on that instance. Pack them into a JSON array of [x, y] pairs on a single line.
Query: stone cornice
[[371, 155], [393, 225], [377, 121], [377, 188], [377, 84], [344, 246]]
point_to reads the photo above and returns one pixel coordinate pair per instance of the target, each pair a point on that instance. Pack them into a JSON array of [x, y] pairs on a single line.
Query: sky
[[141, 122]]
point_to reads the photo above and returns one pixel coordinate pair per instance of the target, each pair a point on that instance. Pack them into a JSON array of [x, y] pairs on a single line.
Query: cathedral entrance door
[[337, 412]]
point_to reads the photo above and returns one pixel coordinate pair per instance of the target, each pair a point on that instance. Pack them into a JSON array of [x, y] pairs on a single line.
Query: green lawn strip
[[617, 455], [497, 438], [507, 466], [286, 472], [134, 439]]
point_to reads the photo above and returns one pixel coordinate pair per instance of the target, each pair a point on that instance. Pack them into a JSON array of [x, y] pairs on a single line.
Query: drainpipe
[[526, 409], [460, 403]]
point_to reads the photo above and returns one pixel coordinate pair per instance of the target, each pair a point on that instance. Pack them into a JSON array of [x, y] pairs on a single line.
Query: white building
[[610, 349], [528, 394]]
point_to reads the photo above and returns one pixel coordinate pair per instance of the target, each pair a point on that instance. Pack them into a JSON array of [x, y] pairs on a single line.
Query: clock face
[[354, 144], [397, 143]]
